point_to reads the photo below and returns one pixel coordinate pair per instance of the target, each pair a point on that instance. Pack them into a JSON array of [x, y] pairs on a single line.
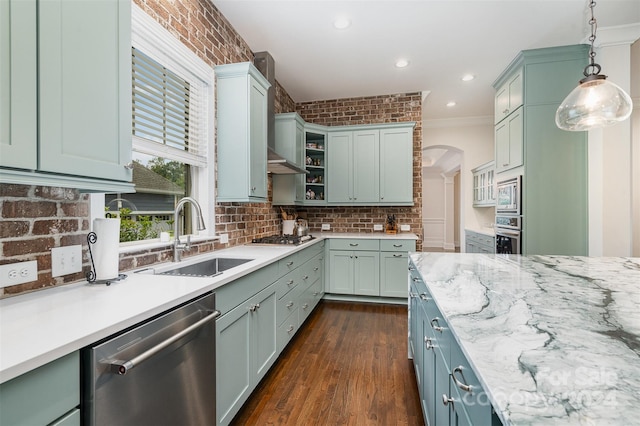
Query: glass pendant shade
[[595, 103]]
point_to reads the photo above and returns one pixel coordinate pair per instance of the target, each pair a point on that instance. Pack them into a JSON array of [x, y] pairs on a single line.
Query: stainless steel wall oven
[[508, 234]]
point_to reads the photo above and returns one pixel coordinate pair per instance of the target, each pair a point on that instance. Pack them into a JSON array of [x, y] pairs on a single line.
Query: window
[[172, 134]]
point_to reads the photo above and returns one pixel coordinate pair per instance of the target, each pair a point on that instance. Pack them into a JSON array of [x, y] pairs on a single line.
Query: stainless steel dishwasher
[[161, 372]]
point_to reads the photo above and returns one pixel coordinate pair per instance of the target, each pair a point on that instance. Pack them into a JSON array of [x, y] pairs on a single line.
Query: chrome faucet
[[178, 247]]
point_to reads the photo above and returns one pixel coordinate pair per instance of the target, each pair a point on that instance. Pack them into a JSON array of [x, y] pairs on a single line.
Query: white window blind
[[168, 112]]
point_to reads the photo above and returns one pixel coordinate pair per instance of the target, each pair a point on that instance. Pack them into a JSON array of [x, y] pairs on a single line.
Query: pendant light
[[596, 102]]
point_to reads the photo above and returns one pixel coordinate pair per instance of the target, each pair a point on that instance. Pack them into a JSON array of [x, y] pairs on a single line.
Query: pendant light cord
[[592, 68]]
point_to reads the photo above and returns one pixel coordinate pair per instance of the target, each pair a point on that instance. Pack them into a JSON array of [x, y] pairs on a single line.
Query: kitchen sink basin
[[207, 268]]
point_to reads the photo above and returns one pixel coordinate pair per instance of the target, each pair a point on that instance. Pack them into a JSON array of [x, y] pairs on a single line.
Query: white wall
[[432, 208], [611, 156], [635, 147], [474, 137]]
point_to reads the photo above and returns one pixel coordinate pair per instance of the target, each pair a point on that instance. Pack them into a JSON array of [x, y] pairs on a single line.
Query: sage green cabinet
[[552, 162], [18, 88], [246, 348], [509, 142], [46, 395], [476, 242], [354, 272], [394, 260], [509, 96], [82, 113], [340, 167], [289, 189], [396, 165], [353, 167], [484, 185], [242, 133]]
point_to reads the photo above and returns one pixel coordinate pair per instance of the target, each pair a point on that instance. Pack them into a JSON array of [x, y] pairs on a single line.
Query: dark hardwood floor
[[346, 366]]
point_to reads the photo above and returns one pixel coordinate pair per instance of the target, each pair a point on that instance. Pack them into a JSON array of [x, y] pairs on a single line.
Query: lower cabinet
[[48, 395], [479, 243], [449, 389], [246, 348], [369, 267]]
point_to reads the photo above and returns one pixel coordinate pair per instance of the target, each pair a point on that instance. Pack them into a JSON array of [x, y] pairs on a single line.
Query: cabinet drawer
[[234, 293], [398, 245], [466, 383], [42, 395], [287, 283], [72, 418], [287, 330], [288, 304], [354, 244]]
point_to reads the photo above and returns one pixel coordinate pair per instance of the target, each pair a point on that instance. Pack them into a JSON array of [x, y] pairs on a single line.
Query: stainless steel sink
[[207, 268]]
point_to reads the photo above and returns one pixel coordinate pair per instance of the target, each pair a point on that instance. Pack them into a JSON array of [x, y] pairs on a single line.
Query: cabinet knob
[[290, 304], [253, 189], [382, 198], [290, 329], [505, 111], [129, 165], [446, 400], [305, 306]]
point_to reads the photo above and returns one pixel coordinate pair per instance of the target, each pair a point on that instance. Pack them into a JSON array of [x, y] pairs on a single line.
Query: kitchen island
[[551, 339]]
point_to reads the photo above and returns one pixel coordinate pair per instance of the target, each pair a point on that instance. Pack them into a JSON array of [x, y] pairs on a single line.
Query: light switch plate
[[405, 228], [326, 226], [66, 260], [224, 238], [18, 273], [377, 227]]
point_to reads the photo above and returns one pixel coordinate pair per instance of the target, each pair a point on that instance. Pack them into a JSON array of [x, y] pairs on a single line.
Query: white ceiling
[[442, 40]]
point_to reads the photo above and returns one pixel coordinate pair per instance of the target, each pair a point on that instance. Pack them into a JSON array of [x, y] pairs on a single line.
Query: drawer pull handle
[[436, 327], [290, 263], [424, 297], [415, 279], [290, 329], [397, 255], [446, 400], [129, 165], [289, 283], [290, 304], [461, 384], [354, 244], [305, 306], [411, 268], [413, 295], [397, 245], [428, 343], [306, 277], [315, 293], [254, 307], [315, 269]]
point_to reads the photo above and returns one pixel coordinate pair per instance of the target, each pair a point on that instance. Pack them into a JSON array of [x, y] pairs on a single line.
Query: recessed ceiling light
[[401, 63], [451, 104], [468, 77], [341, 23]]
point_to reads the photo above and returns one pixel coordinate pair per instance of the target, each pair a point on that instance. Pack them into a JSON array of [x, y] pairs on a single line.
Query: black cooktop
[[282, 239]]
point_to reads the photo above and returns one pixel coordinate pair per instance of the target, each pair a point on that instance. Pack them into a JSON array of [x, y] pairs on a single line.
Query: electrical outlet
[[326, 226], [18, 273], [224, 238], [405, 228], [66, 260], [377, 227]]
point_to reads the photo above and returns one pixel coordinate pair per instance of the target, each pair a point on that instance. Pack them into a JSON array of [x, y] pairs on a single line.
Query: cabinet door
[[257, 139], [393, 274], [366, 172], [263, 329], [509, 142], [428, 354], [396, 165], [85, 88], [339, 170], [366, 273], [18, 77], [341, 272], [233, 359]]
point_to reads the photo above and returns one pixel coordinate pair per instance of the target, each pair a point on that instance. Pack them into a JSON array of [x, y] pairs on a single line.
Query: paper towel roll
[[105, 250]]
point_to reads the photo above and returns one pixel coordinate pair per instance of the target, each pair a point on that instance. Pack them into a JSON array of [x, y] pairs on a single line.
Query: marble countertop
[[553, 339]]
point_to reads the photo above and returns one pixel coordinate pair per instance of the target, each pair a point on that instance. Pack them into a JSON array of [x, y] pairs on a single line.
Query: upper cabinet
[[347, 165], [288, 189], [484, 185], [509, 96], [66, 99], [552, 162], [242, 133]]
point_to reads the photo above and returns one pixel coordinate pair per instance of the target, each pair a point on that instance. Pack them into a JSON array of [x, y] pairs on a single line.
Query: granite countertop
[[553, 339]]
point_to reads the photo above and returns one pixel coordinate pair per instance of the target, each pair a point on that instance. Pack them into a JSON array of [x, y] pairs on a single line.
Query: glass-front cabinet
[[484, 185]]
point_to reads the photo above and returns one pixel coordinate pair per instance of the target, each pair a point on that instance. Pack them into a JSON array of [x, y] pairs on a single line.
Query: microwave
[[509, 196]]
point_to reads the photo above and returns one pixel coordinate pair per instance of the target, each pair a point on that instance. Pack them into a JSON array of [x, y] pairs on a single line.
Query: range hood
[[276, 164]]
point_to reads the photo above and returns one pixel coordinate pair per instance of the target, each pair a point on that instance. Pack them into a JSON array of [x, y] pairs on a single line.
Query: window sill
[[155, 243]]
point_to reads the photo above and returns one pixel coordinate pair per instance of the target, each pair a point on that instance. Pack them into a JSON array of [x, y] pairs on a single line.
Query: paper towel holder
[[92, 237]]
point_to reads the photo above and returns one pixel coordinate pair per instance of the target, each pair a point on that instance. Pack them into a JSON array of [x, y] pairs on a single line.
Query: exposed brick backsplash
[[34, 219]]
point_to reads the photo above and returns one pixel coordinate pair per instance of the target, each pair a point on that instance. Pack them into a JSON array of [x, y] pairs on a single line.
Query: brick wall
[[35, 219], [369, 110]]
